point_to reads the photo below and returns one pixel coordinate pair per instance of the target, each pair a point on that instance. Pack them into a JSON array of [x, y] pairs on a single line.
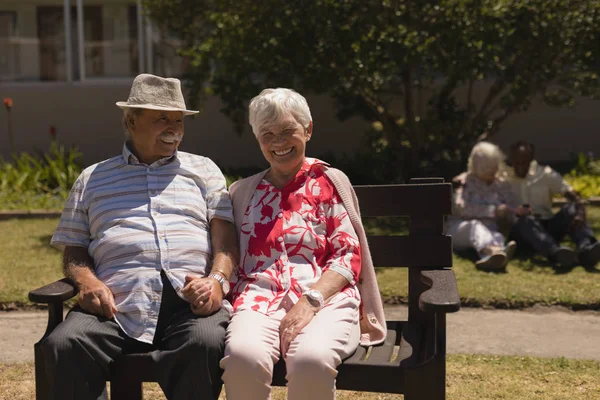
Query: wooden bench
[[412, 360]]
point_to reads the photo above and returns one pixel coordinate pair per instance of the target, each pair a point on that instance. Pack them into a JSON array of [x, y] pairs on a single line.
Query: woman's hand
[[294, 321]]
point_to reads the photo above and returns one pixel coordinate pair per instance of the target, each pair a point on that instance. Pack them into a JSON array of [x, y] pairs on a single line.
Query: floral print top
[[289, 238]]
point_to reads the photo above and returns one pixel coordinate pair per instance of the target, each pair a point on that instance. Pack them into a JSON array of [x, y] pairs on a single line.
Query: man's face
[[156, 134], [521, 159]]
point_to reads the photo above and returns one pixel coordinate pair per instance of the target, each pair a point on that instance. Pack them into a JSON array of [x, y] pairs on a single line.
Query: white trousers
[[473, 233], [252, 347]]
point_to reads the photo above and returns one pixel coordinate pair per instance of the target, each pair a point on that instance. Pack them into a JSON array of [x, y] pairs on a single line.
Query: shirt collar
[[534, 169], [130, 158]]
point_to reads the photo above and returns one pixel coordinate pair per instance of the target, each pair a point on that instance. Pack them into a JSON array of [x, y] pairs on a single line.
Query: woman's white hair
[[484, 158], [271, 106]]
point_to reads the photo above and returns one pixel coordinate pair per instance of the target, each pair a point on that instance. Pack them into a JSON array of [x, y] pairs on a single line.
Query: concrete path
[[538, 331]]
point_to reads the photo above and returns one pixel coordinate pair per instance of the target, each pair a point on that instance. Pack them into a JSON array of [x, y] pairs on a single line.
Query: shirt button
[[155, 214], [280, 215], [280, 239]]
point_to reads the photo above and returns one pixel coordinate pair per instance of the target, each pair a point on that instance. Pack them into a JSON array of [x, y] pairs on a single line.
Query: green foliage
[[586, 185], [30, 182], [433, 76], [585, 175]]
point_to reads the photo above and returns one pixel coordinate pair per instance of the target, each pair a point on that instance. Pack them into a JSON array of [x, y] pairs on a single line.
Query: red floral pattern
[[290, 237]]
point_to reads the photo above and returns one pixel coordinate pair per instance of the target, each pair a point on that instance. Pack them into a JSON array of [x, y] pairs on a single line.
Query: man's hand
[[96, 298], [294, 321], [204, 294]]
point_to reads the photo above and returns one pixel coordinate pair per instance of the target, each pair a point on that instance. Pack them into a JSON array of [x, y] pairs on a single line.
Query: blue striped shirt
[[136, 220]]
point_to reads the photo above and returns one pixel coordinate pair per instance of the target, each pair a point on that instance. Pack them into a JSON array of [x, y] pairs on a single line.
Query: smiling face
[[156, 134], [284, 145]]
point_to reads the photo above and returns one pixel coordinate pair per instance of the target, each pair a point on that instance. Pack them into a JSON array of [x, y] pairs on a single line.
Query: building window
[[9, 46], [166, 60], [33, 42]]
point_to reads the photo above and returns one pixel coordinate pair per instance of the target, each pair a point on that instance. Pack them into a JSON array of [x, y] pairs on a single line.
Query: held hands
[[204, 294], [294, 321], [96, 298]]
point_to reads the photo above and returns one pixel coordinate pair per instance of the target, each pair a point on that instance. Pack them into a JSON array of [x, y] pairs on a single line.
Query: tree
[[410, 67]]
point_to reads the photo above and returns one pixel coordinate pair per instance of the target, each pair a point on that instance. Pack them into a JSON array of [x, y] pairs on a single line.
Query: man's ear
[[131, 122]]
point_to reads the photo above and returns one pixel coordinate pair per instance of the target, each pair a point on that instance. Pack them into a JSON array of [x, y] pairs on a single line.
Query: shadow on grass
[[45, 240], [527, 261]]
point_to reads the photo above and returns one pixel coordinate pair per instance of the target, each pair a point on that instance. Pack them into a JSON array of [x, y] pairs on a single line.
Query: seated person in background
[[537, 226], [480, 201]]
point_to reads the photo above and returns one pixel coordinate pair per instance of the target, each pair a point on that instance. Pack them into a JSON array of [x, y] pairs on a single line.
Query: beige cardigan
[[372, 320]]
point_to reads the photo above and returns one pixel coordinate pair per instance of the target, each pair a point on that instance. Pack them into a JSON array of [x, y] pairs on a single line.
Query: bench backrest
[[426, 202]]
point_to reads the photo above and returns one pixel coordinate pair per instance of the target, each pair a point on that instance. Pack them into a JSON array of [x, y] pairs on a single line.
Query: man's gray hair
[[484, 157], [129, 117], [271, 106]]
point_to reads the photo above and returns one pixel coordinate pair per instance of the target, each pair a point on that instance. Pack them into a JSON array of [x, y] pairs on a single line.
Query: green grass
[[27, 259], [470, 377], [28, 262], [527, 281]]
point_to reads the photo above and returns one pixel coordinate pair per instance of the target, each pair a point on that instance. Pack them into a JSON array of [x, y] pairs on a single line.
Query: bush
[[585, 176], [586, 185], [30, 182]]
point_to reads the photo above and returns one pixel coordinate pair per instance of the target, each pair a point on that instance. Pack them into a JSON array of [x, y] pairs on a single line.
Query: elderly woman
[[306, 288], [480, 203]]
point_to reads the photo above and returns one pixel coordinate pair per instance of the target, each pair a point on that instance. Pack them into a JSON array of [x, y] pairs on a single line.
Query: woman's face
[[488, 175], [284, 145]]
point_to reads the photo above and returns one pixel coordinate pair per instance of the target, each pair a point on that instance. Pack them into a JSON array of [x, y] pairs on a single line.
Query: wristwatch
[[314, 296], [222, 281]]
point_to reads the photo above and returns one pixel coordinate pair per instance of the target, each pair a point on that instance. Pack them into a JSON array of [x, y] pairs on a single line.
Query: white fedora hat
[[156, 93]]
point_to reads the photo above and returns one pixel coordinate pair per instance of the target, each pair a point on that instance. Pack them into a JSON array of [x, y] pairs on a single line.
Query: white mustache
[[171, 136]]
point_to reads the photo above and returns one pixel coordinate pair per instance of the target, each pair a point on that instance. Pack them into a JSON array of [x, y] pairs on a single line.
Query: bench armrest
[[442, 296], [59, 291]]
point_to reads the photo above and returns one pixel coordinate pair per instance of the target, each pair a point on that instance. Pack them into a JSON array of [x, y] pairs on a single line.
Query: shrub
[[39, 181]]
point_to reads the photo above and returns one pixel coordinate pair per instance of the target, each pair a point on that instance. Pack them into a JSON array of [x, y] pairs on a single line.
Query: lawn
[[470, 377], [527, 281], [28, 262]]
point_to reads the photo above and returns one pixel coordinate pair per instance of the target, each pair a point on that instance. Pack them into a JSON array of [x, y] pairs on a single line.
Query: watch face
[[226, 287]]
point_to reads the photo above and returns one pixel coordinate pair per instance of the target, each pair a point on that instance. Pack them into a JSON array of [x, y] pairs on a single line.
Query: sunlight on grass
[[29, 262], [470, 377]]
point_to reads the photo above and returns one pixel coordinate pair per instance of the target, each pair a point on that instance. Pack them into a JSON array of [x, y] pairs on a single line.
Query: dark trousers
[[544, 235], [186, 348]]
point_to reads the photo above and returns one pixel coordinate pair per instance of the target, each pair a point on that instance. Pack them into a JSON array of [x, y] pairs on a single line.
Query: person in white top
[[540, 228]]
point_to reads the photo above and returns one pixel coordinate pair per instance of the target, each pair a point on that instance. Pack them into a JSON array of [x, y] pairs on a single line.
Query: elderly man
[[148, 240], [537, 226]]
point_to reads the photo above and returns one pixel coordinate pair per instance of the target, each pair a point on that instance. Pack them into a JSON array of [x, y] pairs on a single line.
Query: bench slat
[[393, 200], [382, 354], [411, 251]]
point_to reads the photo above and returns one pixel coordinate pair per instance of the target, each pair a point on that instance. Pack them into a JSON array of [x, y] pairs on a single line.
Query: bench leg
[[427, 383], [122, 388], [42, 390]]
